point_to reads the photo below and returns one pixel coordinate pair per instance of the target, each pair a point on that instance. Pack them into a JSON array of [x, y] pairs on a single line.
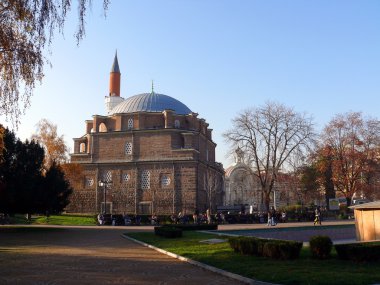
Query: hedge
[[359, 252], [320, 246], [168, 232], [193, 227], [276, 249]]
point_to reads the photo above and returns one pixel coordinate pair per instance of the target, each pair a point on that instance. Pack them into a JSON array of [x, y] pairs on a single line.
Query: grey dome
[[150, 102]]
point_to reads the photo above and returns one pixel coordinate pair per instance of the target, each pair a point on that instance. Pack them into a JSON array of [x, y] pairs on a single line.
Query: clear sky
[[218, 57]]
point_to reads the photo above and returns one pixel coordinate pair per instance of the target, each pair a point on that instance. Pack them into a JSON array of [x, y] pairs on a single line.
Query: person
[[180, 218], [173, 218], [208, 216], [154, 220], [283, 217], [127, 220], [100, 219], [317, 219], [273, 216], [195, 216], [269, 218]]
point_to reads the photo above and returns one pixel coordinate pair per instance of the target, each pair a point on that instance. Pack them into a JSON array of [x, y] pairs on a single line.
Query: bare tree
[[213, 186], [27, 27], [54, 145], [354, 143], [272, 136]]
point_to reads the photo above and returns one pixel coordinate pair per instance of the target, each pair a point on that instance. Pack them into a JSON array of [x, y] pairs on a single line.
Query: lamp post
[[105, 184]]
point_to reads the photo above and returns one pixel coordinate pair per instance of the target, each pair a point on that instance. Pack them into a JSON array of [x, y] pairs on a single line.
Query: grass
[[304, 270], [62, 220]]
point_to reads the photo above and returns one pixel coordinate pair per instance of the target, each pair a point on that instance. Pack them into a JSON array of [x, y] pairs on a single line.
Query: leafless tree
[[272, 136], [213, 187]]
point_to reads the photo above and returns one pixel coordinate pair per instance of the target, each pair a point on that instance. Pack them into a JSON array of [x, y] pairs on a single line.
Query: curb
[[231, 275]]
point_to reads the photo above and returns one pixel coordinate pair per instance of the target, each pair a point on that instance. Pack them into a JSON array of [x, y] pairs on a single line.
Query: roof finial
[[115, 65], [152, 86]]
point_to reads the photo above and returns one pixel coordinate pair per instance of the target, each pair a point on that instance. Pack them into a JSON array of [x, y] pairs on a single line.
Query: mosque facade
[[149, 154]]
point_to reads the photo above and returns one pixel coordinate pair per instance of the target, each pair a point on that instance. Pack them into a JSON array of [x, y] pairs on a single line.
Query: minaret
[[115, 78], [114, 95]]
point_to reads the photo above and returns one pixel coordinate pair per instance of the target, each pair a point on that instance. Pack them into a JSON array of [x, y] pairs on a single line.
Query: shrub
[[277, 249], [168, 232], [271, 250], [244, 245], [281, 249], [290, 250], [359, 252], [194, 227], [320, 246]]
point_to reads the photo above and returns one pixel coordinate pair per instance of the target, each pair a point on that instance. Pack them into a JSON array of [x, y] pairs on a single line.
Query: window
[[107, 176], [102, 128], [177, 124], [82, 147], [165, 180], [89, 182], [128, 148], [145, 179], [130, 123], [126, 177]]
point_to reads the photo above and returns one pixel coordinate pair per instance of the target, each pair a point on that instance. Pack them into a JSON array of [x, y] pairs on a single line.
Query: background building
[[150, 152]]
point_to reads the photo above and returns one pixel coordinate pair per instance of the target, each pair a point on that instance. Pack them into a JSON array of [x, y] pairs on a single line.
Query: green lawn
[[63, 220], [304, 270]]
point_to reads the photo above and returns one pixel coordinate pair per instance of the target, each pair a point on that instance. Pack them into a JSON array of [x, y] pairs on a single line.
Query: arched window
[[177, 124], [82, 147], [102, 128], [130, 124], [145, 179], [128, 148]]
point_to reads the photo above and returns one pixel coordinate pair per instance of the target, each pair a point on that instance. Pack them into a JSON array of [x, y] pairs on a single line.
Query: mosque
[[149, 154]]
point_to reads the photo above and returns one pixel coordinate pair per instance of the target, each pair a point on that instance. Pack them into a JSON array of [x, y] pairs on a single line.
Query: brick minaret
[[114, 95], [115, 78]]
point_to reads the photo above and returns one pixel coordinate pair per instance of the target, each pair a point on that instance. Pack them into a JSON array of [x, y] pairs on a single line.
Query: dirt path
[[91, 256]]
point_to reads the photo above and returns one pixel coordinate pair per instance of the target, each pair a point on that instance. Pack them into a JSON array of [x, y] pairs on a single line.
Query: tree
[[323, 162], [272, 136], [354, 143], [73, 172], [23, 186], [27, 27], [213, 182], [54, 145], [21, 175], [55, 191]]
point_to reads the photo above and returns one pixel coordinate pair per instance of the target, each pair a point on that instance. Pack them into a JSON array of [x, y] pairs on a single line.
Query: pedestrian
[[273, 216], [208, 216], [195, 216], [317, 214], [269, 218]]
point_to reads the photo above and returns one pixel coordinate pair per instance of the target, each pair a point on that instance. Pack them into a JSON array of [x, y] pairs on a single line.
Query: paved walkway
[[91, 256], [99, 255]]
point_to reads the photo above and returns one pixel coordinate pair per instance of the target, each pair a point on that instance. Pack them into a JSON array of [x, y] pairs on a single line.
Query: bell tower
[[113, 97]]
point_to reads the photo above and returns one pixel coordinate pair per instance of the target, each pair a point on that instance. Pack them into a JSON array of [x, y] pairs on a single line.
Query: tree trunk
[[266, 200]]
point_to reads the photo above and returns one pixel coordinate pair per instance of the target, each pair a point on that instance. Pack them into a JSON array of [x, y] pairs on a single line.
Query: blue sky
[[218, 57]]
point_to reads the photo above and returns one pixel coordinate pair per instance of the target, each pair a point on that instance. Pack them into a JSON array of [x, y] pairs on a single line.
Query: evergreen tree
[[56, 190]]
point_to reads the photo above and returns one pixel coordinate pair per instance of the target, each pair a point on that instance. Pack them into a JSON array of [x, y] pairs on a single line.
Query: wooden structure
[[367, 221]]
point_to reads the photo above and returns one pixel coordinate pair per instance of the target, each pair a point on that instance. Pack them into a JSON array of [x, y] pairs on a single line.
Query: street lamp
[[105, 184]]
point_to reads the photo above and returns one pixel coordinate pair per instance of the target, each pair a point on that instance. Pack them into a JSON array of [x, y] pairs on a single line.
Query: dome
[[150, 102]]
